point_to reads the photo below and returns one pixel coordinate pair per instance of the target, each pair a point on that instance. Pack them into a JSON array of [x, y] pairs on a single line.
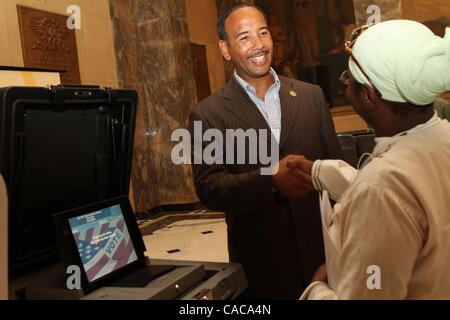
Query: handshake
[[293, 179]]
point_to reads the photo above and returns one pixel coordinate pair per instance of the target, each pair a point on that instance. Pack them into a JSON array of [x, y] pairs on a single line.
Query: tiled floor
[[190, 240]]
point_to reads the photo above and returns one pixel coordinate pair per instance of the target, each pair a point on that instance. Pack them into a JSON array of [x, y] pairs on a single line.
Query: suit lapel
[[242, 106], [288, 99]]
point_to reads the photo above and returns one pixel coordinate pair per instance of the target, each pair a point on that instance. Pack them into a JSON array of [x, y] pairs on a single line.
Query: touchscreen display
[[103, 242]]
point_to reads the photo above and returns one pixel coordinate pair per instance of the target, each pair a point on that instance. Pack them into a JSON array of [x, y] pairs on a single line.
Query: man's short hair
[[227, 12]]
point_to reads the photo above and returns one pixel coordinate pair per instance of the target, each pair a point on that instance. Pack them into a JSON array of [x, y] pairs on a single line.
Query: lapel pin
[[293, 94]]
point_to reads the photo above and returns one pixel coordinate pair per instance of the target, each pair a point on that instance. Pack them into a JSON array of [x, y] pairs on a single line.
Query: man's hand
[[300, 163], [321, 274], [291, 181]]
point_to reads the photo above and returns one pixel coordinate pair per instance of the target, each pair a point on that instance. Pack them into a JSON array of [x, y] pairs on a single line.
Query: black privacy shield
[[61, 148]]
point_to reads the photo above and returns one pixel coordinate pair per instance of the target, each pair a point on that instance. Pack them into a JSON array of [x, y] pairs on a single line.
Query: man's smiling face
[[249, 44]]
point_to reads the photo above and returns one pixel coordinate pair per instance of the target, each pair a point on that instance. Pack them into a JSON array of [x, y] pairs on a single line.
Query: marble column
[[389, 10], [153, 57]]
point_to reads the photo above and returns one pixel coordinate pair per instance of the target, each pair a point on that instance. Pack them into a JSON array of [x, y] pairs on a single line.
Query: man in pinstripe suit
[[273, 222]]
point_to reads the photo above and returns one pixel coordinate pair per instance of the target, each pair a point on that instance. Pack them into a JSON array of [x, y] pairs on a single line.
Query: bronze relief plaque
[[47, 43]]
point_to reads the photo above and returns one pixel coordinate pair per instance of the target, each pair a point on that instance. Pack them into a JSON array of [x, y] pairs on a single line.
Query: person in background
[[388, 235]]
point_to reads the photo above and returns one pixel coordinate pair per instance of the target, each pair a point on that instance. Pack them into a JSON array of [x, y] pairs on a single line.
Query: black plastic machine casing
[[60, 148]]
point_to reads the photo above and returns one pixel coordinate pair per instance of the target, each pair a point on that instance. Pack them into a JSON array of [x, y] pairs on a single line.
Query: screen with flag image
[[103, 242]]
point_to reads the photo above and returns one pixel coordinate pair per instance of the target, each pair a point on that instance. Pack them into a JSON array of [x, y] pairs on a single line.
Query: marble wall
[[426, 10], [96, 58], [153, 57], [202, 21], [389, 9]]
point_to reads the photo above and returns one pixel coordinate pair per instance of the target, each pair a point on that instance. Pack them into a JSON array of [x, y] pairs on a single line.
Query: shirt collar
[[385, 143], [244, 84]]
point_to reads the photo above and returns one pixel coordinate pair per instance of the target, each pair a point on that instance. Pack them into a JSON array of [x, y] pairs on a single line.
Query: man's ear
[[370, 97], [225, 49]]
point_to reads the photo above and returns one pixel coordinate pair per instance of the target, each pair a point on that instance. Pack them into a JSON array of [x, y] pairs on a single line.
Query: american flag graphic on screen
[[104, 245]]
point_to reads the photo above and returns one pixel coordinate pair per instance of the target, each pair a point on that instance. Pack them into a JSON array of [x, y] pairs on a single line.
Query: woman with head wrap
[[388, 236]]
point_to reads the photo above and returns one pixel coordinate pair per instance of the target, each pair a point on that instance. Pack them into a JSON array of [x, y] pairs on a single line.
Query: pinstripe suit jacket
[[278, 241]]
